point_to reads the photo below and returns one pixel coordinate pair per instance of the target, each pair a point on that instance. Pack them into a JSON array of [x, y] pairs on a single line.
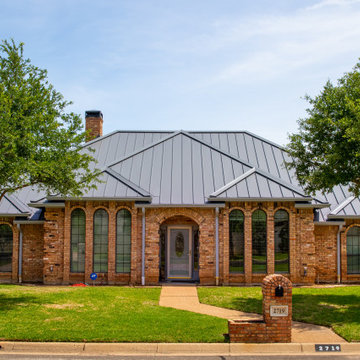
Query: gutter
[[339, 255], [143, 248], [217, 245], [20, 253]]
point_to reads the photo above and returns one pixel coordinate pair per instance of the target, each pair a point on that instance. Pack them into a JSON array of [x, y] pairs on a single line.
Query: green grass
[[336, 307], [109, 314]]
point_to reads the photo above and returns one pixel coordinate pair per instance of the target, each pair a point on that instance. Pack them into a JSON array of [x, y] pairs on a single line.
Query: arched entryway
[[179, 250]]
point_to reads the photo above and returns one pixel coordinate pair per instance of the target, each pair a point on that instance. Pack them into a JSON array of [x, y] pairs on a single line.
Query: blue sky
[[189, 64]]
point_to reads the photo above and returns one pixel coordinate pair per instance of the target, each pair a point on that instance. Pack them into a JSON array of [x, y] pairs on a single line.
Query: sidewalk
[[186, 298]]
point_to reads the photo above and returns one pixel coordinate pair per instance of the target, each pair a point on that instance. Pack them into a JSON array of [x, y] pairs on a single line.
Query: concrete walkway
[[186, 298]]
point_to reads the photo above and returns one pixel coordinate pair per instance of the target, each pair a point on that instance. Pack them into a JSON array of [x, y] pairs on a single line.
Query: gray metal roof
[[113, 186], [190, 168], [256, 185], [11, 205]]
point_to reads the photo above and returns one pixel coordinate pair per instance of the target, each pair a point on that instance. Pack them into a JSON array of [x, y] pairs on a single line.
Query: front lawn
[[48, 313], [335, 307]]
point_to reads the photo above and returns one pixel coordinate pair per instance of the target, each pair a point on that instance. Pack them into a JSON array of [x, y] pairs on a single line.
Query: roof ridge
[[264, 174], [142, 149], [124, 131], [342, 205], [232, 183], [260, 171], [128, 183], [238, 132]]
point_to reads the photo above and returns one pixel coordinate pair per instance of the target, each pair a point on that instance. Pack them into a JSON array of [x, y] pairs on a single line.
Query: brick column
[[112, 243], [53, 269], [270, 251], [225, 245], [248, 244], [15, 257], [134, 278], [67, 244], [292, 243], [88, 241], [307, 246]]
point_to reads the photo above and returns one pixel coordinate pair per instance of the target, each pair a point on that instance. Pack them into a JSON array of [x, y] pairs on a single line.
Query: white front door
[[179, 264]]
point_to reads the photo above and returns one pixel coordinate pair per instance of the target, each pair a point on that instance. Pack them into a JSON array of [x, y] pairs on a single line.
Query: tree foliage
[[39, 140], [326, 150]]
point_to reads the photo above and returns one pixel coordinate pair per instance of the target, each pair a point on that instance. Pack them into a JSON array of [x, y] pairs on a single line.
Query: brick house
[[207, 207]]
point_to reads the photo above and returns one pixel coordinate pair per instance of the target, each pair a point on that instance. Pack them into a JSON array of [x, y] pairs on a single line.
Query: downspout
[[217, 244], [143, 248], [20, 253], [339, 255]]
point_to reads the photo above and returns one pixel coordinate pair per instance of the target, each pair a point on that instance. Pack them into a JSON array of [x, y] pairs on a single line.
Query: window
[[6, 245], [353, 250], [236, 241], [101, 229], [77, 252], [259, 242], [281, 233], [123, 241]]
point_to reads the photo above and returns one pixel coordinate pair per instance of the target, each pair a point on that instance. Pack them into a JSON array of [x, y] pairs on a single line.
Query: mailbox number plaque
[[279, 310], [327, 347]]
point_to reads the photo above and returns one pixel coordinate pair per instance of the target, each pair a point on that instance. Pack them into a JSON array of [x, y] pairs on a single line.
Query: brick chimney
[[93, 123]]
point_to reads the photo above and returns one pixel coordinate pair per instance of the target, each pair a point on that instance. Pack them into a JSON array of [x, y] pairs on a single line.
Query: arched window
[[77, 252], [6, 246], [236, 241], [281, 233], [123, 241], [353, 250], [259, 253], [101, 229]]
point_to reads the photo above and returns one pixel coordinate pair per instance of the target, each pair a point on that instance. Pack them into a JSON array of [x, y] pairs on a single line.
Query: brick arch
[[100, 207], [349, 227], [12, 226], [266, 211], [77, 207], [169, 213], [236, 208]]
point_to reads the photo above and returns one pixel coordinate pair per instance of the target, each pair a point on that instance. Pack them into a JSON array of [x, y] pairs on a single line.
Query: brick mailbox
[[277, 313]]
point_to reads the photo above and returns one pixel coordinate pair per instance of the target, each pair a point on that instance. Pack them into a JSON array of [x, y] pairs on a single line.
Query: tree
[[39, 141], [326, 151]]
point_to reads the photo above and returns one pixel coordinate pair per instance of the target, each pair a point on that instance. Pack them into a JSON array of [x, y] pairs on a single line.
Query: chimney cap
[[93, 113]]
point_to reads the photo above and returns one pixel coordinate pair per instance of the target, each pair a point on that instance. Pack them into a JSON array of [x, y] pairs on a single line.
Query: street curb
[[163, 349]]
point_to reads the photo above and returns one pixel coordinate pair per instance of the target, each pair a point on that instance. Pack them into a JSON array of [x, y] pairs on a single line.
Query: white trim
[[189, 255]]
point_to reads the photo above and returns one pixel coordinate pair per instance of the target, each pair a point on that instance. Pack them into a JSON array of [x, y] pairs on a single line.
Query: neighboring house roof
[[195, 168]]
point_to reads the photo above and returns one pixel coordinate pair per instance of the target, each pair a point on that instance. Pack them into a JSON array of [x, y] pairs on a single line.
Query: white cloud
[[285, 43]]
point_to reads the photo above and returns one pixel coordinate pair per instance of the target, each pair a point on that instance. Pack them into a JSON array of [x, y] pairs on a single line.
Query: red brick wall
[[33, 248], [271, 329], [203, 217], [53, 258], [111, 277], [95, 125], [314, 248], [301, 240], [326, 253]]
